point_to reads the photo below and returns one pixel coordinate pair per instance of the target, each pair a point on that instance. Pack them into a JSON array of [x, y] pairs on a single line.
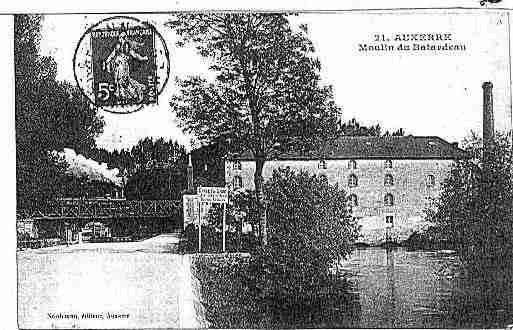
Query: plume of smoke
[[82, 167]]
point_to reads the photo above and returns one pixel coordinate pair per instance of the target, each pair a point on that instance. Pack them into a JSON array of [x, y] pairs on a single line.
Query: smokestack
[[488, 122], [190, 176]]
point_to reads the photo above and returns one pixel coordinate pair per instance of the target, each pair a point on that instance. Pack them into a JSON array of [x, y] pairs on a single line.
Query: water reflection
[[421, 289], [390, 285], [339, 309]]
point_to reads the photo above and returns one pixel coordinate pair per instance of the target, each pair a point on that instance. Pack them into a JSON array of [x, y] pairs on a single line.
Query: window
[[236, 165], [237, 182], [353, 200], [430, 180], [389, 200], [389, 180], [352, 181], [323, 178], [352, 164], [388, 163], [322, 165], [389, 220]]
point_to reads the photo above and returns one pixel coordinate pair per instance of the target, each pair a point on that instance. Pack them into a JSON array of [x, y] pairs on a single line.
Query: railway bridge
[[101, 219]]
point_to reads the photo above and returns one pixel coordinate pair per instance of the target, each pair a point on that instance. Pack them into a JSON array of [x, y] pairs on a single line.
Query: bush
[[475, 207], [240, 210], [309, 229], [228, 294], [432, 238]]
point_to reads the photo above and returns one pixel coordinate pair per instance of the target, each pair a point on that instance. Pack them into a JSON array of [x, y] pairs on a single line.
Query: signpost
[[190, 209], [213, 195]]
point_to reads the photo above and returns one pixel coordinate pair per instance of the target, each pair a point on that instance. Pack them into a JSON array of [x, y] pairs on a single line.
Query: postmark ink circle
[[121, 64]]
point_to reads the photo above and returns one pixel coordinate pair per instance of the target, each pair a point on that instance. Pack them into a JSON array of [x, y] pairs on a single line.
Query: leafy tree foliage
[[310, 228], [241, 210], [156, 183], [155, 168], [475, 207], [49, 114], [266, 93], [354, 128], [148, 153]]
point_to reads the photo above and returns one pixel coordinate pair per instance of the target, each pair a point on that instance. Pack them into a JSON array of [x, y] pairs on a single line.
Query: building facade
[[388, 180]]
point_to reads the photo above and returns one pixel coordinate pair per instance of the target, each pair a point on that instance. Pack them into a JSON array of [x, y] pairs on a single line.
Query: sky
[[425, 93]]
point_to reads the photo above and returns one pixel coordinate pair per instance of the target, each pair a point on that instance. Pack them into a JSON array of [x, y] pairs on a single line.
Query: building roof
[[385, 147]]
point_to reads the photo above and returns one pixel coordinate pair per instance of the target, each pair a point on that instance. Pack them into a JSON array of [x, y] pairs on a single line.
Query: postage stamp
[[121, 64], [124, 70]]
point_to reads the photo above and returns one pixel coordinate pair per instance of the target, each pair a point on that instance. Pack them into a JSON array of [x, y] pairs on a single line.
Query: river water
[[419, 289], [394, 288]]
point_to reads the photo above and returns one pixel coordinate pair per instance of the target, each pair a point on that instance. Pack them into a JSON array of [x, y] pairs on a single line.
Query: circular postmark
[[121, 64]]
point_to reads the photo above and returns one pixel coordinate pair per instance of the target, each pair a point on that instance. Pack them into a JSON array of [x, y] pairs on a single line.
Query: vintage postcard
[[264, 169]]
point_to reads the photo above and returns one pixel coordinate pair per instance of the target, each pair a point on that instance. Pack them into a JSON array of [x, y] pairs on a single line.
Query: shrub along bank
[[287, 283], [475, 207]]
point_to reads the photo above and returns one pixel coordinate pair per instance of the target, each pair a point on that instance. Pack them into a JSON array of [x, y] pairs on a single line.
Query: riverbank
[[223, 291], [394, 288], [228, 296]]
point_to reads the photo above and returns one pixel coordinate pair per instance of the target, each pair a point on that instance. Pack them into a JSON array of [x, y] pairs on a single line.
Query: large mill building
[[386, 177], [389, 180]]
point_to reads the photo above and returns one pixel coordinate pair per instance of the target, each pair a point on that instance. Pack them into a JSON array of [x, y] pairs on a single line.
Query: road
[[106, 285]]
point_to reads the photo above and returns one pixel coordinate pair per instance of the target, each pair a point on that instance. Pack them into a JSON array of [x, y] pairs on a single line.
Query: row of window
[[389, 180], [351, 164], [388, 200], [322, 164], [352, 181]]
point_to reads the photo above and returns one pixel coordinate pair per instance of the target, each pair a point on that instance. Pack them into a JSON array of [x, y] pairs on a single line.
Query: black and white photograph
[[264, 168]]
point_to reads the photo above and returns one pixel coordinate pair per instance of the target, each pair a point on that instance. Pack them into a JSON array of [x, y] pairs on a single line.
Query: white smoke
[[82, 167]]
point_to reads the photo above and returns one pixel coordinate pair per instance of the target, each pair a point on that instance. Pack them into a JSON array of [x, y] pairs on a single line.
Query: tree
[[354, 128], [266, 94], [49, 114], [310, 229], [475, 206], [399, 132], [155, 167]]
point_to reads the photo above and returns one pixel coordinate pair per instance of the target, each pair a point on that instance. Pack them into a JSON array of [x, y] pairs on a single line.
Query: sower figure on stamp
[[118, 63]]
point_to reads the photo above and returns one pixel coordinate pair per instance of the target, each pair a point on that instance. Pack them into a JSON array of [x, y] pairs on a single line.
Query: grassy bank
[[225, 293], [230, 301]]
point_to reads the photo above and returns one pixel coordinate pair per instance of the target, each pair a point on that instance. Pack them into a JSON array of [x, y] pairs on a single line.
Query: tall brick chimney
[[488, 122]]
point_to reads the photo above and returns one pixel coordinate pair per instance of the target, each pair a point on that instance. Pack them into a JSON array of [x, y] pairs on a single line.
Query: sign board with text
[[213, 194], [191, 209]]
